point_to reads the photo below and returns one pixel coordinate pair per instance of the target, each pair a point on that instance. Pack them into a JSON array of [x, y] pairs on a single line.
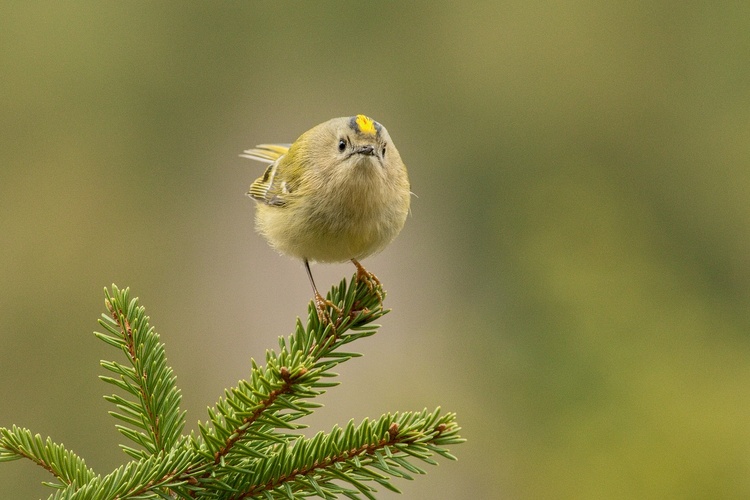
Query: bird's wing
[[266, 153], [269, 188]]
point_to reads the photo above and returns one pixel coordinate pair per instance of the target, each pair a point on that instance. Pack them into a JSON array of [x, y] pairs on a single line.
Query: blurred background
[[573, 281]]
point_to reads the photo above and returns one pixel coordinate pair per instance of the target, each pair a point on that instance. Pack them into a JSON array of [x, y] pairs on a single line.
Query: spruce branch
[[275, 395], [251, 446], [154, 407], [67, 467], [370, 452], [158, 476]]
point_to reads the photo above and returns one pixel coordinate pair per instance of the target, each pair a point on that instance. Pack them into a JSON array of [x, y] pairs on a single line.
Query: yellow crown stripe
[[366, 125]]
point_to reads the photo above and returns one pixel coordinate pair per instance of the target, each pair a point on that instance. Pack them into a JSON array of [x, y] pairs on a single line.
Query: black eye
[[342, 145], [383, 151]]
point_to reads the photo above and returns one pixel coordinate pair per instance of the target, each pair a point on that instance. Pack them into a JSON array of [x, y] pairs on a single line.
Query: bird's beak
[[366, 150]]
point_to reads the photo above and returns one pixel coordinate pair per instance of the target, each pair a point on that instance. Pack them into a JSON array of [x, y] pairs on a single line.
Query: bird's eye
[[383, 151], [342, 145]]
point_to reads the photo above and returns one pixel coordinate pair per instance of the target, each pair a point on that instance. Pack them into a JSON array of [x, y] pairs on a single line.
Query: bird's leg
[[320, 302], [369, 279]]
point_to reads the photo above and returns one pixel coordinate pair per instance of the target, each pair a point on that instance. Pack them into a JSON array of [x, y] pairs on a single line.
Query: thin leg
[[309, 275], [320, 302]]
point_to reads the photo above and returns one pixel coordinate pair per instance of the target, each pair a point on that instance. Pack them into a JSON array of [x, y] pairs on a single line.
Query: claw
[[369, 279], [321, 305]]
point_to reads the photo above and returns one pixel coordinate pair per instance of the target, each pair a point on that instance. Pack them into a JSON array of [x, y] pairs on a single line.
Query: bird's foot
[[322, 305], [369, 279]]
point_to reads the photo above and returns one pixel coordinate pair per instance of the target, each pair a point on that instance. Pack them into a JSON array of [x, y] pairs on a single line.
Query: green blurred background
[[573, 281]]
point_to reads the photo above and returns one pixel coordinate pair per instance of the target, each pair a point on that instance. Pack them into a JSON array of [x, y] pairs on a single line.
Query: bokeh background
[[574, 279]]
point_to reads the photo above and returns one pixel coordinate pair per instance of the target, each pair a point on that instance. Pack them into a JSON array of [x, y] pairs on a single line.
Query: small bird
[[339, 192]]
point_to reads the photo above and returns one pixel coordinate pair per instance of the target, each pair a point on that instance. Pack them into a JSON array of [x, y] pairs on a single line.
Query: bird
[[339, 193]]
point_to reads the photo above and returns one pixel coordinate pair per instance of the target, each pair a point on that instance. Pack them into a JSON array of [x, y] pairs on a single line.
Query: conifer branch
[[356, 455], [155, 407], [245, 422], [158, 476], [66, 466], [251, 445]]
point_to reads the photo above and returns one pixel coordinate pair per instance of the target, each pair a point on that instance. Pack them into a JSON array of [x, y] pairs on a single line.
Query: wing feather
[[266, 153], [267, 188]]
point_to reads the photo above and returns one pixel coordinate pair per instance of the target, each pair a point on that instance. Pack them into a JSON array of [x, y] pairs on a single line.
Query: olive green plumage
[[339, 192]]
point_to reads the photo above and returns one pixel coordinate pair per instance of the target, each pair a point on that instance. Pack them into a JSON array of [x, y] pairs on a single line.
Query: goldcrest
[[339, 192]]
